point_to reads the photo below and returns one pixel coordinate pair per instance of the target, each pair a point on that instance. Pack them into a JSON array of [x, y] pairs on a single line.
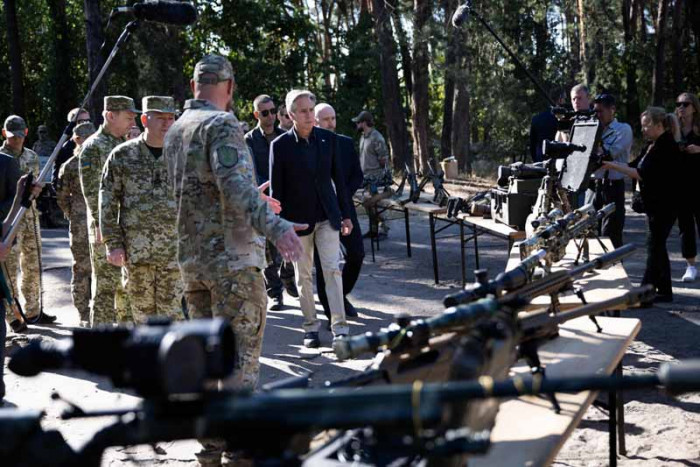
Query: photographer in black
[[609, 186], [656, 170], [688, 113]]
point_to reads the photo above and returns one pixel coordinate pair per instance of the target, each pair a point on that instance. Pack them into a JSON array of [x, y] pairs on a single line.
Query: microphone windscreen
[[167, 12]]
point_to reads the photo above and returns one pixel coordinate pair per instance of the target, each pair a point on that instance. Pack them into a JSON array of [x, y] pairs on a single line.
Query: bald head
[[325, 116]]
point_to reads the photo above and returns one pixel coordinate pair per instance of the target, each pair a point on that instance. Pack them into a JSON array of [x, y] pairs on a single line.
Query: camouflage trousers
[[23, 264], [81, 269], [239, 296], [377, 219], [153, 290], [108, 302]]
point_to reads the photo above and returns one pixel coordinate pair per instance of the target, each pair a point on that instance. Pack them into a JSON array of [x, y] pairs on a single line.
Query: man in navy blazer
[[354, 249], [306, 176]]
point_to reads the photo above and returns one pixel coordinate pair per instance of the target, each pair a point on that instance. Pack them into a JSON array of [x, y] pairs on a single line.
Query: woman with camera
[[655, 170], [688, 112]]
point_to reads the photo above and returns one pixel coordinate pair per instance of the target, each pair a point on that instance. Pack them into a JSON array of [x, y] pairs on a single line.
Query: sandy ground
[[660, 430]]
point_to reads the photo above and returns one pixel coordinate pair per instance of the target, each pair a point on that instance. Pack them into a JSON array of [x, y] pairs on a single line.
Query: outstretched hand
[[289, 245], [272, 202]]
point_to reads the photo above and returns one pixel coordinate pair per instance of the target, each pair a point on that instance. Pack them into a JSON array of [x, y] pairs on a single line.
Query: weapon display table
[[601, 285], [475, 226], [528, 431]]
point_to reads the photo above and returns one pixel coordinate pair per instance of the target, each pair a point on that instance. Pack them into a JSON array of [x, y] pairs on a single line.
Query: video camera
[[156, 360]]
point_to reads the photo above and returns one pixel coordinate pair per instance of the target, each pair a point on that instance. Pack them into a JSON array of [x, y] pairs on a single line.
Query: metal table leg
[[433, 246], [461, 251], [612, 427], [476, 247], [408, 232]]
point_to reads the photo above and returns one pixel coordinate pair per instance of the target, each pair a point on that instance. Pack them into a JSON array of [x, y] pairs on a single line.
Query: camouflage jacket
[[28, 159], [221, 217], [44, 148], [69, 193], [137, 210], [374, 154], [93, 155], [28, 162]]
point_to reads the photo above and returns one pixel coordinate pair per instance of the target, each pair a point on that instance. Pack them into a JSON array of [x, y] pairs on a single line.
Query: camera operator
[[609, 186]]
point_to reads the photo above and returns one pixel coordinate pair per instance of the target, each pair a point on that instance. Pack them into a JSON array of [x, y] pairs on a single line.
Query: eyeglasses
[[265, 113], [682, 104]]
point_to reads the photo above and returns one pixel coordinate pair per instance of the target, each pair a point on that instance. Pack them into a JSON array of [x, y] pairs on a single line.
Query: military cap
[[116, 103], [84, 129], [42, 129], [162, 104], [364, 116], [213, 69], [15, 126]]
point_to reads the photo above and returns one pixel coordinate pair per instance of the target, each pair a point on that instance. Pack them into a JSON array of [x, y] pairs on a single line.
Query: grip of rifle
[[681, 377]]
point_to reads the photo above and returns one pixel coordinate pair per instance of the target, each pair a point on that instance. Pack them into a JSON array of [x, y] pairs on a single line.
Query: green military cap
[[364, 116], [213, 69], [15, 126], [162, 104], [116, 103], [84, 130]]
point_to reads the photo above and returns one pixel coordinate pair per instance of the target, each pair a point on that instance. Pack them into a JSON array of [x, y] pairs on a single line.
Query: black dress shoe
[[277, 303], [18, 326], [44, 318], [349, 309], [292, 290], [311, 340]]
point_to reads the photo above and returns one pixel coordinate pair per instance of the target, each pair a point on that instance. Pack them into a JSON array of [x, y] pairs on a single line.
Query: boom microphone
[[161, 11], [461, 14]]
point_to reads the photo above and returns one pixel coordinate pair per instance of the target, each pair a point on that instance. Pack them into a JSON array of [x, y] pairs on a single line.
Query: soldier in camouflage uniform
[[108, 301], [69, 195], [374, 160], [28, 255], [138, 216], [221, 221], [44, 146]]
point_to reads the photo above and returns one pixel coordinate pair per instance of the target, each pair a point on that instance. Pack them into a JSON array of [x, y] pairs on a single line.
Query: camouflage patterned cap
[[213, 69], [15, 126], [84, 130], [162, 104], [364, 116], [116, 103]]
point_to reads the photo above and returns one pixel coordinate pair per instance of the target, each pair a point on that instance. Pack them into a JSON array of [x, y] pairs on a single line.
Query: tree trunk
[[63, 71], [678, 41], [391, 92], [15, 52], [420, 105], [94, 38], [629, 23], [404, 48], [583, 49], [657, 80], [693, 9], [450, 72], [461, 116]]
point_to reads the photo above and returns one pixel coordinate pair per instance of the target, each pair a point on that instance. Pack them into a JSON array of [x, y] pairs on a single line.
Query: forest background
[[435, 91]]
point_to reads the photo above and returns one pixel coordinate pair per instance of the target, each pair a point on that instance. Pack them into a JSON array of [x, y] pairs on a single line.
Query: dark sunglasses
[[682, 104], [265, 113]]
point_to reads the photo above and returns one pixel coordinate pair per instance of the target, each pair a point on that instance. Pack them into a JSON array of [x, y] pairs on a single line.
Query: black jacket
[[351, 169], [659, 171], [9, 174], [260, 150], [297, 184]]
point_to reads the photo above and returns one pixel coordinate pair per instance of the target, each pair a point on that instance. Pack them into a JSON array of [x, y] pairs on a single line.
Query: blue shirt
[[616, 140]]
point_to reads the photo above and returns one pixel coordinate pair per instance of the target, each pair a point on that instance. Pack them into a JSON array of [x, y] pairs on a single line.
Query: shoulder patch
[[227, 156]]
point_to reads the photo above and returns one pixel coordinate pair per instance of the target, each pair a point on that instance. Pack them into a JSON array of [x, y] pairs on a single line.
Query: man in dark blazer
[[354, 249], [306, 177]]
